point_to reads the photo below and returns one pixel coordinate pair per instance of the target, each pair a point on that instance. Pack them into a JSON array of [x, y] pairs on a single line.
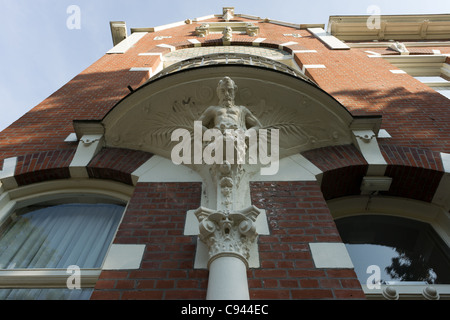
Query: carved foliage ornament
[[228, 233]]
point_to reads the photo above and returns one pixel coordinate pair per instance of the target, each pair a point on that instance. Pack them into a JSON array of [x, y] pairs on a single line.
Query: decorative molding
[[366, 142], [45, 278], [399, 47], [228, 233], [391, 27], [305, 117], [228, 13], [88, 147], [218, 27]]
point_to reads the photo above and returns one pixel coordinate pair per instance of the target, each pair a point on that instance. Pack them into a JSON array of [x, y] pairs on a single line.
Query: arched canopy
[[306, 116]]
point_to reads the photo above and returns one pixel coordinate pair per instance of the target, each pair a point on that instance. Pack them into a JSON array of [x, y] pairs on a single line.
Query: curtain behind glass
[[60, 236]]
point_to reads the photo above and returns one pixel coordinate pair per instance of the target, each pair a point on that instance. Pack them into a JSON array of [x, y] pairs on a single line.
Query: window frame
[[12, 200], [412, 209]]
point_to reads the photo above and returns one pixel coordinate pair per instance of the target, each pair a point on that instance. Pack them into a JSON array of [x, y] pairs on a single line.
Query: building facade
[[235, 157]]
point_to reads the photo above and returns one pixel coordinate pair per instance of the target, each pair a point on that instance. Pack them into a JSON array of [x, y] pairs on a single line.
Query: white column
[[227, 279], [229, 236]]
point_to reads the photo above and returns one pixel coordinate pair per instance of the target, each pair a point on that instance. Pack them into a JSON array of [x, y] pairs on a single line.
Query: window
[[431, 70], [407, 251], [56, 236]]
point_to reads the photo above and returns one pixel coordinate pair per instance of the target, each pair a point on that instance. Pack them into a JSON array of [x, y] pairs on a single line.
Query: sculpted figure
[[227, 115], [227, 34]]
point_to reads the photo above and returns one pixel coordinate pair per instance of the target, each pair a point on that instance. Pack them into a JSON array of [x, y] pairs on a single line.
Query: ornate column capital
[[228, 233]]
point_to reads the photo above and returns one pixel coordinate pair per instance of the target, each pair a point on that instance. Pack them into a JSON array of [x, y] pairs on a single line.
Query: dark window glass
[[405, 250]]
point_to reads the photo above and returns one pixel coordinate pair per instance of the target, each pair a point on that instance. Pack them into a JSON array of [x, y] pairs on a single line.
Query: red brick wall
[[297, 215], [156, 217], [116, 164], [415, 115]]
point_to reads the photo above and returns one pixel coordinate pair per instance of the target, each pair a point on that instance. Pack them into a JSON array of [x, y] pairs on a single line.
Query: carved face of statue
[[226, 91]]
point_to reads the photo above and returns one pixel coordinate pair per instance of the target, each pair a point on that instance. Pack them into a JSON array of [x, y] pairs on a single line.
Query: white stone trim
[[398, 71], [195, 42], [293, 168], [330, 255], [442, 195], [283, 23], [72, 137], [45, 278], [382, 133], [124, 256], [304, 51], [312, 66], [203, 18], [329, 40], [164, 45], [258, 41], [405, 291], [159, 169], [445, 157], [144, 69], [373, 53], [127, 43], [88, 147], [7, 180], [56, 189], [366, 142], [9, 167], [289, 43], [151, 54]]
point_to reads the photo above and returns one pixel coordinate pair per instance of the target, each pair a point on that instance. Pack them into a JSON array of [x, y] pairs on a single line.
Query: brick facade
[[416, 117]]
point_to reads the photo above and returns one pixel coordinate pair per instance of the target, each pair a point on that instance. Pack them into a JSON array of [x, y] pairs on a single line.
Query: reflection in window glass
[[404, 249]]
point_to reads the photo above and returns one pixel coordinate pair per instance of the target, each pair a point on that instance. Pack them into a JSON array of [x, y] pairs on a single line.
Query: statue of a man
[[227, 115]]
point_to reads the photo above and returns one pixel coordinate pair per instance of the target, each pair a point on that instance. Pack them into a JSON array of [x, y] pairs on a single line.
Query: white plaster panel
[[124, 256], [330, 255]]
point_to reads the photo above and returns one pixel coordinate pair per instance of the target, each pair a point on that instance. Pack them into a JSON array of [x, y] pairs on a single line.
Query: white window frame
[[14, 199], [429, 213]]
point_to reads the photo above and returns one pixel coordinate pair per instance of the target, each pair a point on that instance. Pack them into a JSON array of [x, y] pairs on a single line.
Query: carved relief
[[301, 121], [227, 34], [203, 30], [228, 233]]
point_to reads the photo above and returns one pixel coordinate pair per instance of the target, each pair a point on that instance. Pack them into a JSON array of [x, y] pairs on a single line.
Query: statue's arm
[[251, 121], [206, 117]]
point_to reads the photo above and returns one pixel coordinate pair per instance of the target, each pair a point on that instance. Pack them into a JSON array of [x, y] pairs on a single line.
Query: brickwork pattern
[[155, 217], [298, 215]]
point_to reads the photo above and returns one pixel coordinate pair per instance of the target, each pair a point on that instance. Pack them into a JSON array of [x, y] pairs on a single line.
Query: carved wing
[[298, 125], [181, 116]]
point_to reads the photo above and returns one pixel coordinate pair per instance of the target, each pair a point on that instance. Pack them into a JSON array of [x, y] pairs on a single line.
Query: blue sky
[[39, 53]]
